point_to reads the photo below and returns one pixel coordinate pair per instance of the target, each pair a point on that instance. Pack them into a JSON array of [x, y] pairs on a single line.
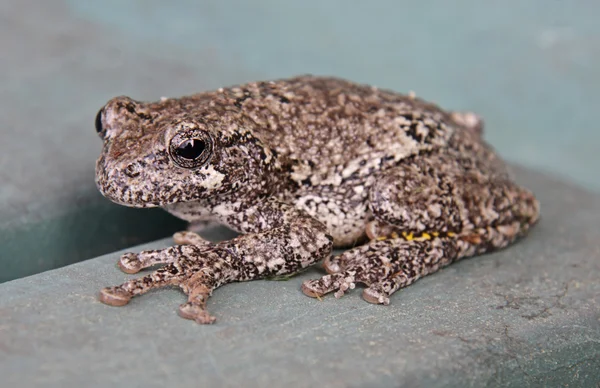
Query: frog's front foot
[[200, 267], [196, 270]]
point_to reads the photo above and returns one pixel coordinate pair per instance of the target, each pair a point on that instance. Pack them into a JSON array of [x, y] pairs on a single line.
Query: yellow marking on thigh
[[411, 236]]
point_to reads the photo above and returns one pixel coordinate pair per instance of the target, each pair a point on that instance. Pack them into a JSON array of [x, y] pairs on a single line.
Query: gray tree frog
[[301, 166]]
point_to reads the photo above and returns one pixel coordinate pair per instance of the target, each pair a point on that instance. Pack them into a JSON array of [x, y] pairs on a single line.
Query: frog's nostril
[[132, 170]]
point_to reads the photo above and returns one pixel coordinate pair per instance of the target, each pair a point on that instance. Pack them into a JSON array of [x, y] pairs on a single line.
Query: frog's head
[[162, 153]]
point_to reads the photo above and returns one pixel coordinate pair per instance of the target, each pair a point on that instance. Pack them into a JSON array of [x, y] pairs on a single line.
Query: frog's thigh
[[496, 214], [417, 197], [411, 199], [441, 199]]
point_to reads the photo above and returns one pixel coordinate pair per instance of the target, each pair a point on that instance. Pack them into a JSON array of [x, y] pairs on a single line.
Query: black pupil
[[191, 149]]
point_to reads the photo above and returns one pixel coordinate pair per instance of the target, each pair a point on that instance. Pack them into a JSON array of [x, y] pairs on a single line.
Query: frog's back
[[319, 118], [332, 128], [328, 128]]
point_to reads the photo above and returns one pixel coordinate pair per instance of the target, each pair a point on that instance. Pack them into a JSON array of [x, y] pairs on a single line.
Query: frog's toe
[[189, 238], [198, 287], [339, 263], [196, 313], [134, 262], [380, 291], [375, 295], [339, 282], [130, 263], [333, 265], [312, 288], [114, 296]]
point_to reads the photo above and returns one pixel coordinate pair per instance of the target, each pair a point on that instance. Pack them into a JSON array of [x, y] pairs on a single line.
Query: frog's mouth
[[143, 187], [125, 186], [126, 195]]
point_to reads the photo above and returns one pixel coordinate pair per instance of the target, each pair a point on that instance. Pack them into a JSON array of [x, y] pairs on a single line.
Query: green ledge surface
[[528, 316], [529, 67]]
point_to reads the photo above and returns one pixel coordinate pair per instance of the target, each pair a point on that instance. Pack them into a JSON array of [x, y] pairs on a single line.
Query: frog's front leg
[[428, 214], [281, 240]]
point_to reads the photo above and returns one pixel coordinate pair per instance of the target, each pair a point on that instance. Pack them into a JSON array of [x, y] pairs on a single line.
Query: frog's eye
[[190, 151], [99, 128]]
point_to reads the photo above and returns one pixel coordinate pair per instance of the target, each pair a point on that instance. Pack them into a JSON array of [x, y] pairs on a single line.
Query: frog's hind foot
[[385, 266], [339, 282]]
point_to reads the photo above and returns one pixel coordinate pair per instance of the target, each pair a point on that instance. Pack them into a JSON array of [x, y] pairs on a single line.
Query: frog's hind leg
[[428, 215]]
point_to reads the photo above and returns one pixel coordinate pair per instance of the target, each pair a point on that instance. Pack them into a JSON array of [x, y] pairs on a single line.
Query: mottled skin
[[298, 167]]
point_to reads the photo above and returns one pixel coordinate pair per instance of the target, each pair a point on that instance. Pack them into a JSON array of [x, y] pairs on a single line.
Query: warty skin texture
[[297, 167]]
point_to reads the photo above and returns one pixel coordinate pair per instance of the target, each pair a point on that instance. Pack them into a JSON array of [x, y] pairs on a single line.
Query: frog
[[300, 167]]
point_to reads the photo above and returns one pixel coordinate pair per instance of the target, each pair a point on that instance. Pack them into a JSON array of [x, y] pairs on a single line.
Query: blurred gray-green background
[[530, 68], [527, 316]]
